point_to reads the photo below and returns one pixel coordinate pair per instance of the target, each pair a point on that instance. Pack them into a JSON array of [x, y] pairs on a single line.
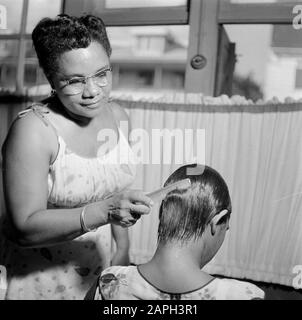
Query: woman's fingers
[[124, 221], [136, 196], [138, 209], [127, 207], [115, 215]]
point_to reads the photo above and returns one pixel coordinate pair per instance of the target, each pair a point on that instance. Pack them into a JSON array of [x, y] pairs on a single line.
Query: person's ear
[[217, 220]]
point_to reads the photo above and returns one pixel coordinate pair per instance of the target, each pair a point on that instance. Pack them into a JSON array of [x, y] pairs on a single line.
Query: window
[[14, 14], [8, 50], [143, 3], [132, 12], [8, 61], [173, 79], [133, 78], [20, 67], [152, 57], [268, 61], [30, 75], [8, 76], [145, 78], [38, 9], [191, 18]]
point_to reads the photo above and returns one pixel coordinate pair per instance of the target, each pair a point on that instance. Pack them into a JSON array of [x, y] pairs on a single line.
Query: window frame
[[206, 33], [129, 16], [204, 17], [22, 37]]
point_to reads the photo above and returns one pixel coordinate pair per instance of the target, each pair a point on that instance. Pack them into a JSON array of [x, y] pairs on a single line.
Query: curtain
[[257, 149]]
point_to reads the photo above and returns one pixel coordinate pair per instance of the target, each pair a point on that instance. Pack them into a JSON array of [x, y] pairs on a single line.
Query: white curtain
[[257, 149]]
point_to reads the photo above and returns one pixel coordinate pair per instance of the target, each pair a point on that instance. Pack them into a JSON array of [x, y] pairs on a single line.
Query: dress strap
[[117, 124], [40, 111]]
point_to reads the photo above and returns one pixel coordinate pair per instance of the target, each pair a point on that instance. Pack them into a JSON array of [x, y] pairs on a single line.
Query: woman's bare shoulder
[[29, 132]]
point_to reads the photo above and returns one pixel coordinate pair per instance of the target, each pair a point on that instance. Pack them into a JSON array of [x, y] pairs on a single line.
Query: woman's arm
[[29, 149], [121, 237]]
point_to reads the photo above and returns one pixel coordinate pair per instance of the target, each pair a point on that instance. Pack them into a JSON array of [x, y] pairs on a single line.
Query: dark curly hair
[[184, 214], [53, 37]]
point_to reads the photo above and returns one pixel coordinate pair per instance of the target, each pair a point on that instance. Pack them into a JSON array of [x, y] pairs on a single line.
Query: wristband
[[82, 221]]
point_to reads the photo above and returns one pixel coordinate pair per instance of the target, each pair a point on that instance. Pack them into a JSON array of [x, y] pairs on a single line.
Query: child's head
[[200, 212]]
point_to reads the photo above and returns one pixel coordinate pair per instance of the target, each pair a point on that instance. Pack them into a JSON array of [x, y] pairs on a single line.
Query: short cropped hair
[[53, 37], [184, 214]]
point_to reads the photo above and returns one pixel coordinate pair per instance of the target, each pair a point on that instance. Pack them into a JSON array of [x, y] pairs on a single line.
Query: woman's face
[[83, 98]]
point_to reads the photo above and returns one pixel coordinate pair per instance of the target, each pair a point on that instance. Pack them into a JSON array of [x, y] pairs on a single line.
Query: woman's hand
[[126, 207]]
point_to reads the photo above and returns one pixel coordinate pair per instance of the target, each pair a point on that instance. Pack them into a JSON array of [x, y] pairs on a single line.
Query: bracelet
[[82, 221]]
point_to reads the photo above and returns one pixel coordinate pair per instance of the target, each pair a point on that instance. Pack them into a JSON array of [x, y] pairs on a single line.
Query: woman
[[59, 186]]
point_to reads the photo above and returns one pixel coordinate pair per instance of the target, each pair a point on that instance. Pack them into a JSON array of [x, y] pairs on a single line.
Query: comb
[[162, 192]]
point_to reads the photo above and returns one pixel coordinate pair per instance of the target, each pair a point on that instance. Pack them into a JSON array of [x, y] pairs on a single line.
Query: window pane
[[149, 57], [110, 4], [133, 78], [8, 76], [14, 13], [38, 9], [34, 78], [8, 50], [30, 51], [30, 75], [173, 79], [267, 61], [8, 62]]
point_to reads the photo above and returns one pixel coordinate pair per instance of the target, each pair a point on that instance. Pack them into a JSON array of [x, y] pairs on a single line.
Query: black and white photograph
[[150, 150]]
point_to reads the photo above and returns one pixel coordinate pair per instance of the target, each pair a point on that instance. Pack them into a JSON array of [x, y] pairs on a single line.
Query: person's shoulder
[[27, 130], [113, 283], [117, 274], [232, 289], [113, 272], [30, 119]]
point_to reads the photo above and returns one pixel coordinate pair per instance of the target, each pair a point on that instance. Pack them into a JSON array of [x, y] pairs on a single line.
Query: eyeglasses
[[77, 85]]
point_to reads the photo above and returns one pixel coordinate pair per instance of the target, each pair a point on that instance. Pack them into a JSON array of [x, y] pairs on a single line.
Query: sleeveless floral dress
[[67, 270], [127, 283]]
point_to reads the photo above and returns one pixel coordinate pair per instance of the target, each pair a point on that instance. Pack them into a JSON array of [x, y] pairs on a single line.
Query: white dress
[[127, 283], [67, 270]]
